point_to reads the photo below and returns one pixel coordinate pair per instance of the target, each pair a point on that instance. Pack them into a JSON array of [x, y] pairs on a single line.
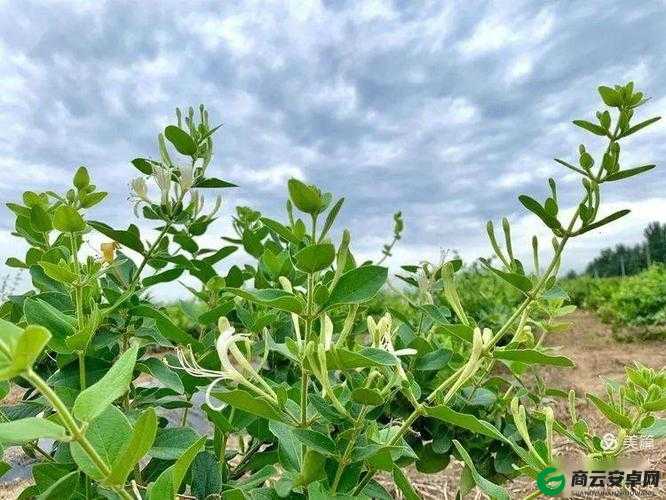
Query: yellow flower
[[108, 250]]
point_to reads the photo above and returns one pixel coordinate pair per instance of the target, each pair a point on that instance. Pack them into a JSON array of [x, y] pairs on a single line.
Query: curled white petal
[[209, 390]]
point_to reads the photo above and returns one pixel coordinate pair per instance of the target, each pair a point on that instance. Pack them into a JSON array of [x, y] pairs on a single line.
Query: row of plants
[[635, 305], [311, 389]]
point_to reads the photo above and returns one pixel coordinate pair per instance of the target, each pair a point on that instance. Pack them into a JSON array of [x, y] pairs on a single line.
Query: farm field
[[589, 343]]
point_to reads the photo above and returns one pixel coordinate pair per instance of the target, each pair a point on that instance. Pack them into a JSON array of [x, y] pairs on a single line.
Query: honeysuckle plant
[[305, 392]]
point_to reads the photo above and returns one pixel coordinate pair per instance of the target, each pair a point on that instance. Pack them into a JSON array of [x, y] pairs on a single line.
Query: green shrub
[[306, 393], [635, 306], [590, 293]]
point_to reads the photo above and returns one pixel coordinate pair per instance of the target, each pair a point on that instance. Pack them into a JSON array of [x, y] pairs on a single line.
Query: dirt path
[[597, 356]]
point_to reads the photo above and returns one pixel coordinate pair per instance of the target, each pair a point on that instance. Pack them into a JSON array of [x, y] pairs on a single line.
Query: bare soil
[[597, 356]]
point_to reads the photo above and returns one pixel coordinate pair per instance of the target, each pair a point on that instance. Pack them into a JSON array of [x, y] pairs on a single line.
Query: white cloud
[[269, 178], [444, 110]]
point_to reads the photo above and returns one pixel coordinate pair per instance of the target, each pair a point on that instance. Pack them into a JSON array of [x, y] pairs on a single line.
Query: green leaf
[[217, 256], [493, 490], [61, 326], [315, 441], [127, 238], [466, 421], [357, 286], [29, 346], [610, 96], [108, 435], [16, 263], [522, 283], [403, 484], [640, 126], [29, 429], [533, 206], [249, 403], [135, 448], [604, 221], [591, 127], [92, 401], [463, 332], [277, 299], [81, 178], [610, 412], [167, 327], [315, 257], [656, 430], [312, 470], [289, 447], [143, 165], [478, 396], [330, 218], [162, 372], [213, 183], [282, 230], [206, 473], [59, 272], [570, 166], [168, 483], [68, 220], [181, 140], [39, 219], [430, 462], [532, 357], [623, 174], [305, 197], [62, 489], [434, 360], [163, 277], [344, 359], [657, 405], [210, 317], [367, 396], [171, 442], [9, 335]]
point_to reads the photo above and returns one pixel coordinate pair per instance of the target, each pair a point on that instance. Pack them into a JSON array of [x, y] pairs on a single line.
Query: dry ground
[[590, 344]]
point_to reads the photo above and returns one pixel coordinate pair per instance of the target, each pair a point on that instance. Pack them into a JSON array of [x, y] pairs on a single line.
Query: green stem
[[70, 424], [344, 461], [78, 301], [82, 369], [305, 379]]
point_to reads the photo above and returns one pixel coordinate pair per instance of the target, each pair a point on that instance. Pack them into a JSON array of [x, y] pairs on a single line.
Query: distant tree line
[[626, 260]]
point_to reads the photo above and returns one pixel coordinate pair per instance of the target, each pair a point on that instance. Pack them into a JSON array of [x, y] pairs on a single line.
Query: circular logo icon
[[549, 484], [609, 441]]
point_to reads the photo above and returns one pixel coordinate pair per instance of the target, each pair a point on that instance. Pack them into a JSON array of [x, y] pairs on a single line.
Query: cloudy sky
[[444, 110]]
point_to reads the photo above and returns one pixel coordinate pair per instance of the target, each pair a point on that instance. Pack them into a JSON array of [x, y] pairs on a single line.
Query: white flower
[[216, 207], [162, 176], [140, 189], [186, 178], [226, 347], [197, 202], [139, 193], [382, 337], [286, 286]]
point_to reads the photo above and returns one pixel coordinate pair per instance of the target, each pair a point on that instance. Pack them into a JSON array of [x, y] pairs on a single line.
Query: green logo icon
[[549, 484]]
